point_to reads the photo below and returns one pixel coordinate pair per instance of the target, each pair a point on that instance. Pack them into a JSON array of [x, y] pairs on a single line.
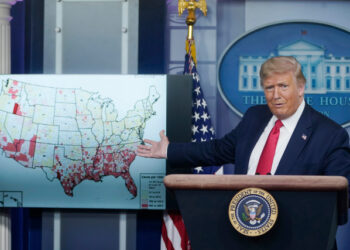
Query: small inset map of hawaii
[[71, 134]]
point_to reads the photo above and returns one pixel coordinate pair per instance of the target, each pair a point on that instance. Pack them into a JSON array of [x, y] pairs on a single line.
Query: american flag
[[202, 129], [174, 235]]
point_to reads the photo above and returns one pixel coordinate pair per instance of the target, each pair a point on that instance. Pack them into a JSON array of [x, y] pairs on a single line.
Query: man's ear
[[301, 89]]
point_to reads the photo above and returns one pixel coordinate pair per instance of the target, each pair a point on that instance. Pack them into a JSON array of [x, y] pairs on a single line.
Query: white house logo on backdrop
[[323, 73], [325, 63]]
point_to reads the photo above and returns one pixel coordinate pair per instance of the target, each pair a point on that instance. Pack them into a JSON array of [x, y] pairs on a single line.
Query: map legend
[[152, 191]]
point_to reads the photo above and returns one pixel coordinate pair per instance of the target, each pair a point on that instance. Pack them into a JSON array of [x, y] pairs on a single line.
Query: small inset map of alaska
[[72, 134], [11, 199]]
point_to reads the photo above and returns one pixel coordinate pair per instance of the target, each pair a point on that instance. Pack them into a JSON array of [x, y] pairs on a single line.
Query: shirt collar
[[291, 122]]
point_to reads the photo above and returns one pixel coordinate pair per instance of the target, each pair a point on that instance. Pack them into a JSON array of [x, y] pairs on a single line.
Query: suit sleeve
[[215, 152], [338, 159], [212, 153]]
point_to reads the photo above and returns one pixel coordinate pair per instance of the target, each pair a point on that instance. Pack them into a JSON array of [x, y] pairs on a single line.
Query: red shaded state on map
[[13, 93], [17, 109], [105, 163], [20, 150], [13, 147], [32, 146]]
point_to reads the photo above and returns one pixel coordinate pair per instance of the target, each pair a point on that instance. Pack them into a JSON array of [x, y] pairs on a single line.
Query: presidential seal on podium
[[253, 212]]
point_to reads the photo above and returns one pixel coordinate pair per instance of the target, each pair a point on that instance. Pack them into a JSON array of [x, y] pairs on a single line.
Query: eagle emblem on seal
[[252, 212]]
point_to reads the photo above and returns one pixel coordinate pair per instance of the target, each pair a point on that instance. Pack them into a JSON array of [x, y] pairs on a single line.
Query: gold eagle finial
[[191, 6]]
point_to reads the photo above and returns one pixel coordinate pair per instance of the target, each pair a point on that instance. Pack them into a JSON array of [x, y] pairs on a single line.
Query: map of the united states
[[70, 133]]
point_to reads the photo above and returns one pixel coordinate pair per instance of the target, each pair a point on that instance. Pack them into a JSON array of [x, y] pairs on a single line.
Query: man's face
[[283, 94]]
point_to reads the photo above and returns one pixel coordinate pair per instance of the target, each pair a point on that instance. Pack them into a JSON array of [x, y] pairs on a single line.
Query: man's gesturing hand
[[156, 149]]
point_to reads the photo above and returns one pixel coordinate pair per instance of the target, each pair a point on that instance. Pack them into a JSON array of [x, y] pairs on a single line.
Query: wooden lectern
[[309, 210]]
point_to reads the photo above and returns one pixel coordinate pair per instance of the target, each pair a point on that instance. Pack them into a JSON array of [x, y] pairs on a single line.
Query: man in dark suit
[[285, 137]]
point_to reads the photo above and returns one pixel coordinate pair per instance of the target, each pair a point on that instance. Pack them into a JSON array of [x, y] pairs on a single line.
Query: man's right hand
[[155, 149]]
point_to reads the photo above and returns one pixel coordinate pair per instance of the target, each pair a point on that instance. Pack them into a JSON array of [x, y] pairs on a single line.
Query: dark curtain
[[26, 58]]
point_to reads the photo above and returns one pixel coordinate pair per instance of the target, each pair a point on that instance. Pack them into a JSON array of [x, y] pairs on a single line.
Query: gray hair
[[280, 65]]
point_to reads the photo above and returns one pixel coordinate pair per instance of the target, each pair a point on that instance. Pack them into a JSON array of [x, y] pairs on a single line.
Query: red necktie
[[266, 158]]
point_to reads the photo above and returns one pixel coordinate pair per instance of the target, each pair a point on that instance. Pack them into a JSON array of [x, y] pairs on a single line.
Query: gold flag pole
[[191, 6]]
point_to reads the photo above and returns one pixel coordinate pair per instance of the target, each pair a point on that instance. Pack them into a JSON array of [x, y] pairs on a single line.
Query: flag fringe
[[191, 50]]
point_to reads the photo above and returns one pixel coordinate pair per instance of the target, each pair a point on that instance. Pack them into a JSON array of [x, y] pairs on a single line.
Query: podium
[[309, 210]]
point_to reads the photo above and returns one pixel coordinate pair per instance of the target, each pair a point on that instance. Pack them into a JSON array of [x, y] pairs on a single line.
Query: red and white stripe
[[174, 235]]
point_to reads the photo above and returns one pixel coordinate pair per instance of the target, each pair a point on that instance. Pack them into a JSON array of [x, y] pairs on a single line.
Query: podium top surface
[[269, 182]]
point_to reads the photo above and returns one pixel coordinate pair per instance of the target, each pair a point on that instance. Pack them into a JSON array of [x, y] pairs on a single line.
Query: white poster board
[[69, 141]]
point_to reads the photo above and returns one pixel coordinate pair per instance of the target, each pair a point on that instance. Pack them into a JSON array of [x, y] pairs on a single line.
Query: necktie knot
[[278, 124], [276, 128]]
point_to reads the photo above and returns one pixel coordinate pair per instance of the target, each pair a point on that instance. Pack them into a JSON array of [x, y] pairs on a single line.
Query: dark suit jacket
[[318, 146]]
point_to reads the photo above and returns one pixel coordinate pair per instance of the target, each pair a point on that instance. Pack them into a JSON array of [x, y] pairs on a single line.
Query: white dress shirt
[[286, 132]]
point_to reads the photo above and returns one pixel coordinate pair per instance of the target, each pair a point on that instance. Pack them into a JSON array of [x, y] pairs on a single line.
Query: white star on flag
[[212, 130], [198, 169], [197, 90], [204, 103], [194, 129], [205, 116], [196, 77], [196, 116], [204, 129], [198, 103]]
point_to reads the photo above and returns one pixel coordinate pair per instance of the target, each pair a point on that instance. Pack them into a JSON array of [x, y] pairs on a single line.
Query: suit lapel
[[260, 122], [296, 143]]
